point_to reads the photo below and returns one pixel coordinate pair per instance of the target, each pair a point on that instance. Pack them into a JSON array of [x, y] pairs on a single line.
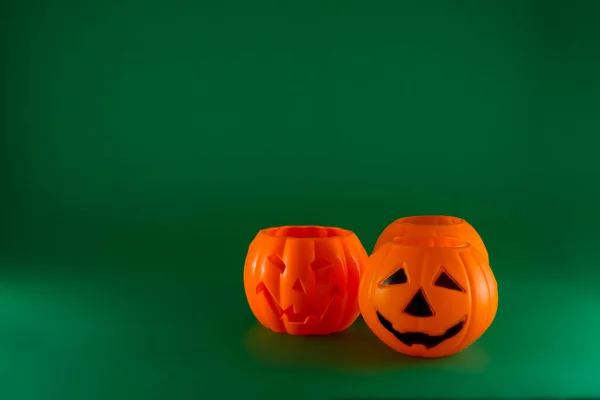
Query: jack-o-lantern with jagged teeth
[[303, 280]]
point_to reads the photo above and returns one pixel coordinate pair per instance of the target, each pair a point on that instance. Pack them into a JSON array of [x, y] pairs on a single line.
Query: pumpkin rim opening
[[431, 220], [309, 232], [431, 242]]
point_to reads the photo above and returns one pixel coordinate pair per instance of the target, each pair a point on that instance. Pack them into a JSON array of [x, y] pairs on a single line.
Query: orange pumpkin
[[303, 280], [428, 297], [432, 226]]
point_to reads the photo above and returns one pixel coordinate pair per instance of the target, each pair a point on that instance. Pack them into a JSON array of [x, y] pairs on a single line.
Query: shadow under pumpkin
[[356, 349]]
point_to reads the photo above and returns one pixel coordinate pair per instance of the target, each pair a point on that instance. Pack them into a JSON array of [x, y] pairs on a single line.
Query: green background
[[144, 143]]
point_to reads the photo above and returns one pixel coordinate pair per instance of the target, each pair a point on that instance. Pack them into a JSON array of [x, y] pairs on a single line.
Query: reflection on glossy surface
[[355, 350]]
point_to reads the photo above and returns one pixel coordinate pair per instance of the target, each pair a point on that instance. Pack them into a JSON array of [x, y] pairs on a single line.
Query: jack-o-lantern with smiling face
[[428, 297], [303, 280]]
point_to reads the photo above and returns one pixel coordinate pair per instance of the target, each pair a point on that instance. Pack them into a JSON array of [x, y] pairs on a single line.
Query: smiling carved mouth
[[412, 338], [291, 315]]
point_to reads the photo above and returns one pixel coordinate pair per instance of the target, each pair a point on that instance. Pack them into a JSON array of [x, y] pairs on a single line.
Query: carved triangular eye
[[445, 281], [277, 262], [396, 278]]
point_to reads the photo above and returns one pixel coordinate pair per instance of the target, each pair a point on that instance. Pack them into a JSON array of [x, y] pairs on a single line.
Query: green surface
[[145, 143]]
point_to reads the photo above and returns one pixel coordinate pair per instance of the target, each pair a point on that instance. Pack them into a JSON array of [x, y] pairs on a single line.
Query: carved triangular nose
[[418, 306]]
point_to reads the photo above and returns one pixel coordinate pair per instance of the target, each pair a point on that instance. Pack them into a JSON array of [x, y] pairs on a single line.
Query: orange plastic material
[[303, 280], [432, 226], [428, 297]]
